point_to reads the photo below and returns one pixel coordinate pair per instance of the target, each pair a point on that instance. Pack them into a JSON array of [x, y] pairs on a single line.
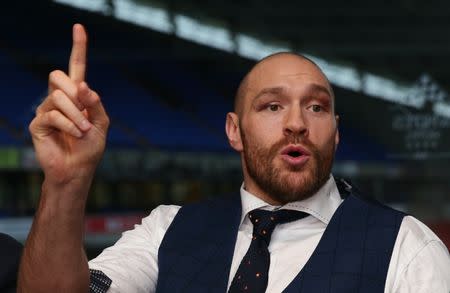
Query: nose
[[295, 124]]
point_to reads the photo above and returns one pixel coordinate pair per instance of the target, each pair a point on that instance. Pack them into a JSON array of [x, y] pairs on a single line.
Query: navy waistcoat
[[353, 254]]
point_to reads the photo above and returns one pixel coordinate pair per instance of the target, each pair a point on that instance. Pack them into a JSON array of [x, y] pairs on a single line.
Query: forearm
[[69, 134], [54, 259]]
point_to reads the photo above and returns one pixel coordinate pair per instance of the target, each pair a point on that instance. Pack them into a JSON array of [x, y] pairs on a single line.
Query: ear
[[336, 138], [233, 132]]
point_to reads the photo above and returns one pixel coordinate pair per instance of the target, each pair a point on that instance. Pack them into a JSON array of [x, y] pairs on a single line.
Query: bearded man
[[291, 228]]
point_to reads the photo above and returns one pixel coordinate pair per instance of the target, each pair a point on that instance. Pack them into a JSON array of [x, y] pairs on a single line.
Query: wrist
[[65, 196]]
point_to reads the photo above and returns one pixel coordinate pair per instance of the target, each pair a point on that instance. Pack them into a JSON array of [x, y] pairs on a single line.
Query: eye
[[273, 107], [316, 108]]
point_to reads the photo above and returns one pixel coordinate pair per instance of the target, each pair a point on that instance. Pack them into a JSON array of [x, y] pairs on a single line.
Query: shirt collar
[[321, 205]]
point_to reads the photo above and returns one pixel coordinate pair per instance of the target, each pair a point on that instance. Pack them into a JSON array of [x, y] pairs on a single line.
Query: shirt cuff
[[100, 282]]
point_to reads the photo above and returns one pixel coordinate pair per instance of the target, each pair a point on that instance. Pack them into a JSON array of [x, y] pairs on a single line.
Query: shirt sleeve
[[132, 262], [420, 261]]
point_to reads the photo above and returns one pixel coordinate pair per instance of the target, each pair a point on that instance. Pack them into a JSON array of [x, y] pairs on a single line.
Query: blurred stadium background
[[167, 72]]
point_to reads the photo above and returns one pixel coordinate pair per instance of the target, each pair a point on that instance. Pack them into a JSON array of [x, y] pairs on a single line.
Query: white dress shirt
[[420, 262]]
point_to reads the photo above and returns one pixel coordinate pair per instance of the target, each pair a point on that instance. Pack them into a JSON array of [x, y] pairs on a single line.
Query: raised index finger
[[77, 62]]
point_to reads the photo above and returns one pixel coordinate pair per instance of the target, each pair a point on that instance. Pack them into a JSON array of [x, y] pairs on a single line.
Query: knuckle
[[56, 95], [53, 99], [95, 98], [53, 76], [52, 116]]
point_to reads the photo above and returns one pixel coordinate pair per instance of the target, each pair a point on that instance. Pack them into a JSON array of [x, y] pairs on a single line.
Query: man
[[285, 128]]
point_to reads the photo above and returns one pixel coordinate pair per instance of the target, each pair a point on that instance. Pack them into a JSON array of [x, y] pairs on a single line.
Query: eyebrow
[[311, 88], [317, 88], [271, 90]]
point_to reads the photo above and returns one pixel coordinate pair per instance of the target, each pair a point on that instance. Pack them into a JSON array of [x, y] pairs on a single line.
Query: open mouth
[[294, 154], [295, 151]]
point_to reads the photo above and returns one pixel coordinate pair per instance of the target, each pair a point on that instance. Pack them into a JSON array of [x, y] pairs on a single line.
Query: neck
[[254, 189]]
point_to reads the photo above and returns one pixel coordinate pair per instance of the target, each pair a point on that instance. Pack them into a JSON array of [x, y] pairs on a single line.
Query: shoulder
[[200, 217], [162, 216], [415, 236], [135, 255], [209, 211], [420, 261], [147, 233], [376, 211]]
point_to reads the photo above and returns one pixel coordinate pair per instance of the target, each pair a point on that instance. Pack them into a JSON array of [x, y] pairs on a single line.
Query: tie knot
[[264, 222]]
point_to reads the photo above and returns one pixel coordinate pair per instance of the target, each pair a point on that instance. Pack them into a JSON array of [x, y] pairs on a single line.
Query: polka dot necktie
[[252, 274]]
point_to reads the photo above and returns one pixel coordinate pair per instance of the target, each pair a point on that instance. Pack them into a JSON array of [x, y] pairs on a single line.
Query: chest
[[199, 250], [290, 248]]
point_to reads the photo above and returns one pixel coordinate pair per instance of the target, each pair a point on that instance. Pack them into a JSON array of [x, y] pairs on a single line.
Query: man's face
[[287, 129]]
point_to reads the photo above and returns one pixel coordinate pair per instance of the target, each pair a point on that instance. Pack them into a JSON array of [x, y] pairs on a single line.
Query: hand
[[70, 127]]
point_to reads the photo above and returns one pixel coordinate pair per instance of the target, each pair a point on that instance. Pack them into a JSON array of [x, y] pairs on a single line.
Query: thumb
[[94, 107]]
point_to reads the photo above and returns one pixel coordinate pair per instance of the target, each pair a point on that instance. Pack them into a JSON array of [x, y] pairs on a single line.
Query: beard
[[288, 183]]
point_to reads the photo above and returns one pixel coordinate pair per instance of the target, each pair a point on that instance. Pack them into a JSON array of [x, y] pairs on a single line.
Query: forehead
[[288, 71]]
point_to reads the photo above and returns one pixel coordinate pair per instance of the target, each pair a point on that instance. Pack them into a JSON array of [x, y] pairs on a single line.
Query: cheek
[[263, 131], [272, 125], [323, 135]]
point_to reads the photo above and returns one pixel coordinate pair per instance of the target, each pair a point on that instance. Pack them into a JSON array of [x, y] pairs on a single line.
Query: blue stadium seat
[[21, 92], [145, 116]]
